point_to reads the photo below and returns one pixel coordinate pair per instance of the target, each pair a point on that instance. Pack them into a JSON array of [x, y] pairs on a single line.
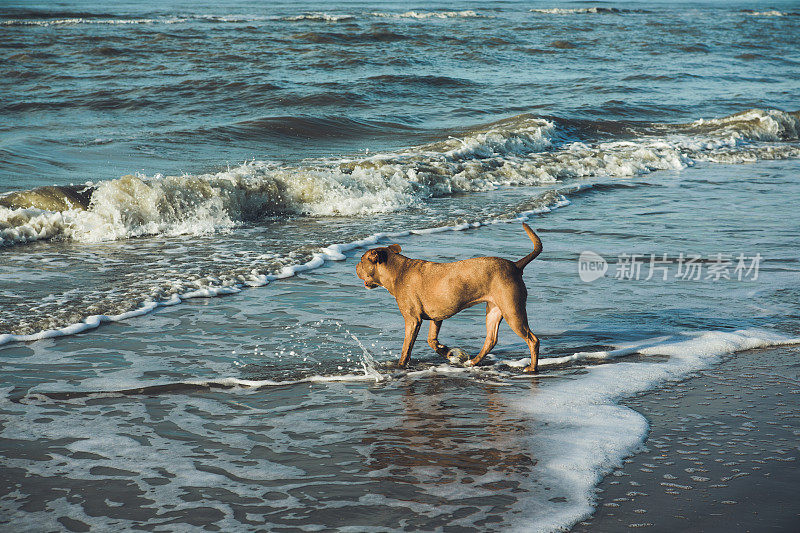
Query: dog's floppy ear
[[395, 248], [377, 256]]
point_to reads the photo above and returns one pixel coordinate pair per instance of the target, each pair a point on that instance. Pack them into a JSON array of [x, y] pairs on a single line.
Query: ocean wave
[[134, 206], [82, 20], [71, 19], [43, 20], [752, 125], [522, 150], [325, 17], [423, 80], [428, 14], [308, 16], [301, 127], [770, 13], [64, 18], [331, 37], [585, 10]]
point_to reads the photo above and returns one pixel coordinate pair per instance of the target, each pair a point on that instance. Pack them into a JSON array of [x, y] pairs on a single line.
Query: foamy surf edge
[[333, 252], [590, 433], [370, 374], [688, 352]]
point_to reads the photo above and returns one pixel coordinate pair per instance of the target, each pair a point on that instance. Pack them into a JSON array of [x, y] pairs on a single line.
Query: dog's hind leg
[[512, 304], [433, 339], [493, 318], [518, 321]]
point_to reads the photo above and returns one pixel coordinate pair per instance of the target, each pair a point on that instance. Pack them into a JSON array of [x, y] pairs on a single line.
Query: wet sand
[[722, 454]]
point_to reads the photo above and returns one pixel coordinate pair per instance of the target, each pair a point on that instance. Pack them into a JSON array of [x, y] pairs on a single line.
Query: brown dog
[[434, 291]]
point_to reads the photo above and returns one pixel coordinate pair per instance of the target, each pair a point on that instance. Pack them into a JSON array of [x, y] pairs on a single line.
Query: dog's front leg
[[412, 328]]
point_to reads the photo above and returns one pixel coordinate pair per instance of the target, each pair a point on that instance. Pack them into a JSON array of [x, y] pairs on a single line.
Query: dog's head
[[372, 267]]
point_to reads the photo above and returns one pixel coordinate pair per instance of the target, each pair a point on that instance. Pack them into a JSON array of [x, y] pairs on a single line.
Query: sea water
[[154, 156]]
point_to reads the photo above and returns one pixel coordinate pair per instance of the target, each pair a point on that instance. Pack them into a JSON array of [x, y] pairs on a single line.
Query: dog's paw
[[457, 356], [388, 365]]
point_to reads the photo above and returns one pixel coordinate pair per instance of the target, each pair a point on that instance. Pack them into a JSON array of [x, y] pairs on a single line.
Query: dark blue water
[[92, 92]]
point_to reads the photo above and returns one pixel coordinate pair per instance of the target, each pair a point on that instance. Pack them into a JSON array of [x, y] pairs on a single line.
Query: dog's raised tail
[[537, 248]]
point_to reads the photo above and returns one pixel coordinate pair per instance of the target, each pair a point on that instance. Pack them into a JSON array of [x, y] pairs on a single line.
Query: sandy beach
[[722, 453]]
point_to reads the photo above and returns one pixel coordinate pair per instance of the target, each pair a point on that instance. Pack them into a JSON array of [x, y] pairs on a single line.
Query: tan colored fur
[[425, 290]]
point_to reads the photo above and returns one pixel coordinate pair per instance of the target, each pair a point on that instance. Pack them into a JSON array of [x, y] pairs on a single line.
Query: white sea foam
[[229, 18], [589, 434], [79, 20], [770, 13], [302, 17], [576, 10], [522, 150], [752, 125], [325, 17], [370, 374], [245, 18], [226, 19], [311, 16], [428, 14]]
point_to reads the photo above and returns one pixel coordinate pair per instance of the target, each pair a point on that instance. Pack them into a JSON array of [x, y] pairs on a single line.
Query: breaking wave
[[522, 150], [66, 18], [325, 17], [585, 10], [81, 20], [752, 125], [429, 14], [770, 13]]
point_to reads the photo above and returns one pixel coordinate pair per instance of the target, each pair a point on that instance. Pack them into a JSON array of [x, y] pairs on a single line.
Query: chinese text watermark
[[686, 267]]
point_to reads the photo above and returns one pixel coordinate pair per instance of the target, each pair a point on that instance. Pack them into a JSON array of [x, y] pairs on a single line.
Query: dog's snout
[[362, 273]]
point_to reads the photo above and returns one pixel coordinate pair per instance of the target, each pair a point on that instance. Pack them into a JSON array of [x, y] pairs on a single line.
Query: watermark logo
[[685, 267], [591, 266]]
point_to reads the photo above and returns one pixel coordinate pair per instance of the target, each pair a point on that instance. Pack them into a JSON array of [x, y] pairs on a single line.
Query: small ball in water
[[457, 355]]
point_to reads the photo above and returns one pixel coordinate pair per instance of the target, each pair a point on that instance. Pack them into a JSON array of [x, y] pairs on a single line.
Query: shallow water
[[254, 154], [273, 407]]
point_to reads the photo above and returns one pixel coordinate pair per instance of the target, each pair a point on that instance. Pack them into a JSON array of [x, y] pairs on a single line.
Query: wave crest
[[429, 14], [318, 16], [65, 18], [752, 125], [585, 11], [521, 150], [770, 13]]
